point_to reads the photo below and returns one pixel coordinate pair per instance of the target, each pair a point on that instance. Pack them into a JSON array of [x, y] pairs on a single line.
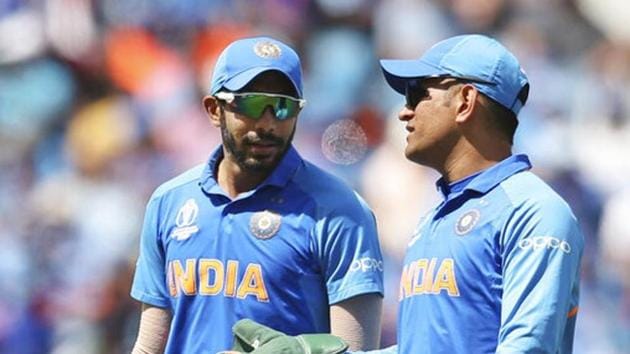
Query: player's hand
[[252, 337]]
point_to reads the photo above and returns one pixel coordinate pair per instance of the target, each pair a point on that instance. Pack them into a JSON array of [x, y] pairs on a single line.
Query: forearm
[[389, 350], [358, 321], [153, 331]]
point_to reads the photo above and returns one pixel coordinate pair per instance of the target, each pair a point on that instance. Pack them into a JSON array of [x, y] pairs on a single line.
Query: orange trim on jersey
[[573, 312]]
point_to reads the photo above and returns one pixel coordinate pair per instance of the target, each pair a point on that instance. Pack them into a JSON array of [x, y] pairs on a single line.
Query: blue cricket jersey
[[493, 268], [279, 254]]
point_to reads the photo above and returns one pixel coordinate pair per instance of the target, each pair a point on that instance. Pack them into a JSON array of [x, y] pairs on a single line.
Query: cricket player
[[494, 268], [256, 232]]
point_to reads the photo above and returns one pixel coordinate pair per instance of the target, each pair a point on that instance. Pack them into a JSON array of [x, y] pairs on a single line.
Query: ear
[[467, 103], [213, 110]]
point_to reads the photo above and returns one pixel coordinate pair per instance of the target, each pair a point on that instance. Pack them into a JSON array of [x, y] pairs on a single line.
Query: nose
[[405, 114], [267, 120]]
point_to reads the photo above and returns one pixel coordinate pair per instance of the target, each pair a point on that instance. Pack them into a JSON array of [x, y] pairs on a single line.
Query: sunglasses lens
[[286, 108], [409, 100], [253, 106], [414, 94]]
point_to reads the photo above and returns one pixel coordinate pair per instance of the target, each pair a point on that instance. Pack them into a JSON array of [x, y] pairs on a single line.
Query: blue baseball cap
[[244, 59], [490, 67]]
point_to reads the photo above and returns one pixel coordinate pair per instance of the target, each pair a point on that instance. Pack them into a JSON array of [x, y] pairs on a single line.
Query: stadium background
[[100, 102]]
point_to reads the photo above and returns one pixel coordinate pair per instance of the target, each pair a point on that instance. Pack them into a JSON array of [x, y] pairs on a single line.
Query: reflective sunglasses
[[253, 104], [415, 91]]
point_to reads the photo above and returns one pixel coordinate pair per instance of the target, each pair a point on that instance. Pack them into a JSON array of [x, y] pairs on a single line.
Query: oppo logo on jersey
[[544, 242], [210, 277], [366, 264], [427, 276]]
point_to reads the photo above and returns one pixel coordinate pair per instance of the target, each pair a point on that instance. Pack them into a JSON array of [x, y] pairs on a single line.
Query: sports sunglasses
[[415, 91], [253, 104]]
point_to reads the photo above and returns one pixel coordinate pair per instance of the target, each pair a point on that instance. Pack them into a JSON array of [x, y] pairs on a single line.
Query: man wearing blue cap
[[494, 268], [256, 232]]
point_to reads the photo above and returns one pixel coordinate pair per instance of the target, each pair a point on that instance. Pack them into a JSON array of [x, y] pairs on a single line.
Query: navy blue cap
[[244, 59], [492, 68]]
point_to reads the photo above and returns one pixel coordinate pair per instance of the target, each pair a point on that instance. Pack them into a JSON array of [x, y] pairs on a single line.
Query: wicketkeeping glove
[[252, 337]]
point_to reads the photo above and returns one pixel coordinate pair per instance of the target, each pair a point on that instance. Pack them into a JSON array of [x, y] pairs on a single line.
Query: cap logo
[[466, 222], [265, 224], [267, 50]]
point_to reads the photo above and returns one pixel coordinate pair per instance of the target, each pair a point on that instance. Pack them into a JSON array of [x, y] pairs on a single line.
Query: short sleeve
[[149, 283], [348, 251], [542, 247]]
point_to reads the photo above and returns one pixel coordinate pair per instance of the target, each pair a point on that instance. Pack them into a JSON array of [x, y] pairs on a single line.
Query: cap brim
[[398, 72], [242, 79]]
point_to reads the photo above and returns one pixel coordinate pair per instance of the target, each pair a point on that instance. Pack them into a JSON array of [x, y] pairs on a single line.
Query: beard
[[249, 161]]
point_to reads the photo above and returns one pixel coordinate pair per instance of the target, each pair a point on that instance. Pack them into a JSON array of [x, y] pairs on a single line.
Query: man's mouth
[[263, 147]]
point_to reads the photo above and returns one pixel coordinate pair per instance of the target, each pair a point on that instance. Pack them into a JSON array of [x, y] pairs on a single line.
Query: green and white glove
[[252, 337]]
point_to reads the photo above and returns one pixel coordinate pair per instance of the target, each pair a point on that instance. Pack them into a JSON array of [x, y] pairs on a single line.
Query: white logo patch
[[185, 221], [413, 240], [267, 50], [265, 224], [544, 242], [466, 222], [417, 233], [366, 264]]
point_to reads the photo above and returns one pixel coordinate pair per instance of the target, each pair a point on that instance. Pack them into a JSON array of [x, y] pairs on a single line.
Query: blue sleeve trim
[[367, 287], [149, 299]]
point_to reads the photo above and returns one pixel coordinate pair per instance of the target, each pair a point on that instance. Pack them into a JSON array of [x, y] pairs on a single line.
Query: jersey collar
[[280, 176], [487, 179]]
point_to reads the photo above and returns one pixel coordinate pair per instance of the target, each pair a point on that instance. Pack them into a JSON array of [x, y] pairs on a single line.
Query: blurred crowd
[[100, 102]]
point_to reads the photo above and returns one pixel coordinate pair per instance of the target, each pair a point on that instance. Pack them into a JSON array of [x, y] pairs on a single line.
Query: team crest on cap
[[265, 224], [185, 221], [467, 221], [268, 50]]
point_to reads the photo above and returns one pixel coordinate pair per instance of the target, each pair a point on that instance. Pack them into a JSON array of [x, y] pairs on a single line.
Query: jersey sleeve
[[149, 283], [346, 245], [541, 248]]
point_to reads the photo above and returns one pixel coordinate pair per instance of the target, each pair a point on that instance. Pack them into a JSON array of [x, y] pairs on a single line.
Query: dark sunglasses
[[415, 91], [253, 104]]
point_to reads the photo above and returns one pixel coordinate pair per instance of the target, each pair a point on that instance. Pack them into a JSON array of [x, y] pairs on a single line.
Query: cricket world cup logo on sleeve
[[185, 221], [265, 224]]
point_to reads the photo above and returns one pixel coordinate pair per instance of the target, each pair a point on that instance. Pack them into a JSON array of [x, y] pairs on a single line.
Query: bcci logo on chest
[[265, 224], [467, 222]]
